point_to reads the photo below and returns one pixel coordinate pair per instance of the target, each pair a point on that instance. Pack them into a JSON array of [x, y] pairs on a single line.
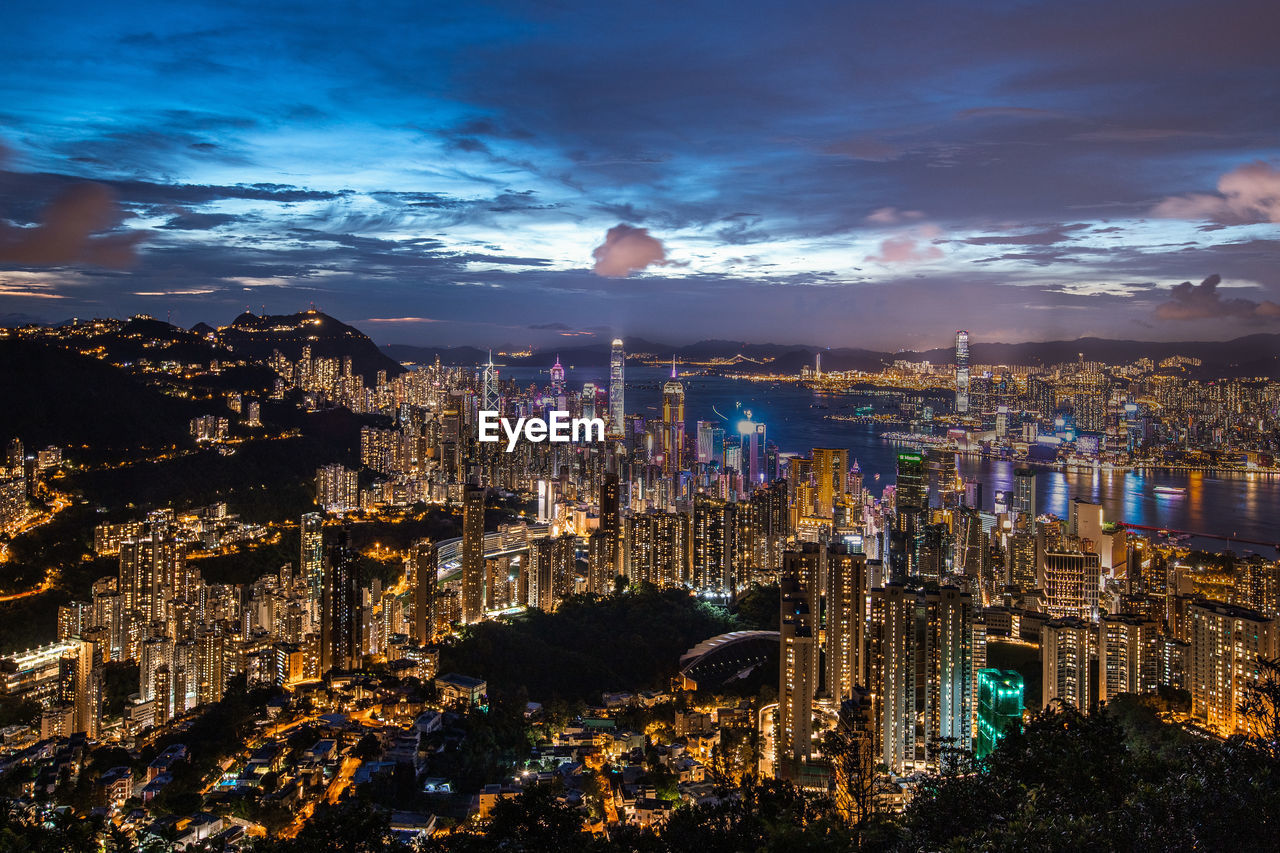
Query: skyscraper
[[798, 676], [830, 473], [422, 562], [1024, 493], [962, 372], [311, 559], [1226, 644], [1000, 705], [617, 386], [910, 490], [601, 578], [1066, 648], [490, 400], [672, 424], [472, 554], [846, 594], [340, 624]]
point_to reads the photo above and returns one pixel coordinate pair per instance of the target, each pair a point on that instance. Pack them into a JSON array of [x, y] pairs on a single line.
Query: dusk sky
[[845, 174]]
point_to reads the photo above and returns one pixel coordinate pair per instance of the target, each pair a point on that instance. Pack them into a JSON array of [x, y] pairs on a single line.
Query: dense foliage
[[589, 645]]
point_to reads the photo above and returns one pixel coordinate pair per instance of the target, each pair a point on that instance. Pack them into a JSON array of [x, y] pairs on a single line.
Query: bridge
[[1218, 536], [505, 542]]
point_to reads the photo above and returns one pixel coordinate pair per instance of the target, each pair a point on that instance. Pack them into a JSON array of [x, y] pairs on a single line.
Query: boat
[[1169, 490]]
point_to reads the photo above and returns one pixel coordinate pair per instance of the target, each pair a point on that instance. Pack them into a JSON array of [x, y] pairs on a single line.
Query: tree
[[852, 755]]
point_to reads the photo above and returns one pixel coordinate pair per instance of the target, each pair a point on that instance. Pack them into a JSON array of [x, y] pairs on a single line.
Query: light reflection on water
[[1241, 504]]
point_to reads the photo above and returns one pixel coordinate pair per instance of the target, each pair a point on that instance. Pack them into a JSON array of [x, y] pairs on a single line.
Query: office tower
[[845, 622], [617, 386], [753, 470], [798, 677], [311, 559], [490, 401], [672, 424], [472, 554], [341, 627], [830, 471], [1070, 581], [1129, 650], [589, 399], [712, 544], [557, 378], [910, 489], [962, 372], [1226, 644], [422, 585], [1000, 706], [940, 473], [1024, 494], [1066, 648]]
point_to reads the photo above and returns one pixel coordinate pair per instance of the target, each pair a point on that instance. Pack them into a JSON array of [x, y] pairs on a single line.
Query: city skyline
[[1028, 172]]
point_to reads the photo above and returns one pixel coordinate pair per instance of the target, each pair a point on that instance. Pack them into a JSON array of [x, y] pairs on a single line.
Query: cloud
[[909, 247], [1047, 237], [1247, 194], [1203, 301], [891, 216], [627, 249], [70, 232]]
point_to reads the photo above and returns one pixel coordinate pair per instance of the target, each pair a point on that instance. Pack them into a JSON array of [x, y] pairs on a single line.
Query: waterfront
[[1220, 503]]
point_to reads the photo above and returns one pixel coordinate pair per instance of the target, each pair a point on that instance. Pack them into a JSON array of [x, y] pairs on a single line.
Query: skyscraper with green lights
[[1000, 704]]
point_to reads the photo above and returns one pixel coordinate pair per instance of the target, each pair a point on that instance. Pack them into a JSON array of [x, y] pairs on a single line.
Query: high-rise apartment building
[[1067, 647], [1227, 643], [472, 554], [798, 677]]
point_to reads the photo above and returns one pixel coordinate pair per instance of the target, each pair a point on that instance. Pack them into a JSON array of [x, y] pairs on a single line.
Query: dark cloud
[[72, 230], [1203, 301], [1047, 237], [191, 221]]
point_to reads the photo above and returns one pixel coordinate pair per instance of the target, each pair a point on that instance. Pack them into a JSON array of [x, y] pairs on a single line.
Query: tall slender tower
[[311, 559], [962, 372], [617, 385], [490, 400], [672, 424], [472, 554]]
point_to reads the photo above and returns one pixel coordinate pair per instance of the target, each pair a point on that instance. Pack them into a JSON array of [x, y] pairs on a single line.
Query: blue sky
[[848, 174]]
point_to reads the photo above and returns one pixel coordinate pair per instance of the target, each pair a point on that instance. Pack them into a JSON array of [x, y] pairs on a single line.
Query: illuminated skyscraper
[[672, 424], [1226, 644], [490, 400], [557, 378], [1066, 648], [1024, 494], [830, 472], [610, 566], [617, 386], [846, 594], [472, 554], [1070, 581], [910, 491], [340, 625], [311, 559], [1000, 705], [589, 395], [422, 586], [962, 372], [798, 675]]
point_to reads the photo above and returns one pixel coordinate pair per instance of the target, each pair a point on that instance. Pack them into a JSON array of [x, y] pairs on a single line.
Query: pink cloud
[[1248, 194], [627, 249], [910, 247], [892, 216]]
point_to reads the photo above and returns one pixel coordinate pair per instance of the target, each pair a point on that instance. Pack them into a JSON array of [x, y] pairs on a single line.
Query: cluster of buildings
[[1082, 413], [20, 480]]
